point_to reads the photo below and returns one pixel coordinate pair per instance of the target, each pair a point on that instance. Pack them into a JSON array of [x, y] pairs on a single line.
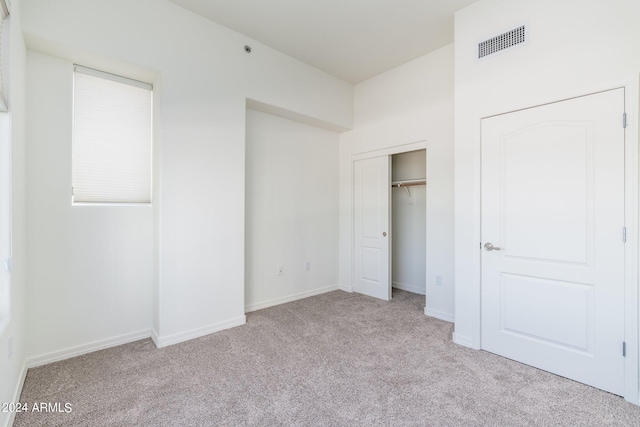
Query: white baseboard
[[463, 340], [410, 288], [277, 301], [346, 288], [447, 317], [155, 337], [17, 393], [165, 341], [67, 353]]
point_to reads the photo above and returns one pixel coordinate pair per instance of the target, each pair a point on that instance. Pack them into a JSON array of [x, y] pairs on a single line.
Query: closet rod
[[409, 183]]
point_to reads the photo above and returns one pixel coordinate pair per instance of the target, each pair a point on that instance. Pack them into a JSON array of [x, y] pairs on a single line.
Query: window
[[5, 173], [111, 138]]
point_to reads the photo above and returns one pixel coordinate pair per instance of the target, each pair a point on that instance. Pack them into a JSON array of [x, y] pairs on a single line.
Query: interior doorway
[[390, 224], [408, 221]]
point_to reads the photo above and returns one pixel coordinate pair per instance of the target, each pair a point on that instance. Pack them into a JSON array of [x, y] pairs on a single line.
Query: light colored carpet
[[337, 359]]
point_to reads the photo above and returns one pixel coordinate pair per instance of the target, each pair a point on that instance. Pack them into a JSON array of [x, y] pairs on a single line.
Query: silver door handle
[[489, 247], [384, 234]]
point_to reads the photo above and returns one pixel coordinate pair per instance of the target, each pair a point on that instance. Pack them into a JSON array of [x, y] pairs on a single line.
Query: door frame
[[398, 149], [631, 286]]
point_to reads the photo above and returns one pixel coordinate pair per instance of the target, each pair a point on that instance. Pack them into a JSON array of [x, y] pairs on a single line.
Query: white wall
[[413, 102], [574, 48], [12, 369], [90, 267], [571, 47], [291, 210], [202, 78], [409, 222]]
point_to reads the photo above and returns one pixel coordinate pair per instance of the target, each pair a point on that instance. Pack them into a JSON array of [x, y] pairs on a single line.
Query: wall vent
[[516, 37]]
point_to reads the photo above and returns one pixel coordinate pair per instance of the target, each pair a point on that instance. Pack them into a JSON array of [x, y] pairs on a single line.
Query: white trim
[[155, 337], [108, 204], [67, 353], [442, 315], [301, 295], [409, 288], [463, 340], [396, 149], [199, 332], [17, 393], [113, 77], [346, 288], [632, 310]]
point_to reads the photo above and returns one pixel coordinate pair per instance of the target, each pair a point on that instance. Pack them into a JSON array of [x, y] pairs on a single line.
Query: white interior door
[[553, 207], [372, 186]]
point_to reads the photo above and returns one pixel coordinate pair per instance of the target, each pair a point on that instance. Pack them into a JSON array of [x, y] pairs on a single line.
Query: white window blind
[[111, 138]]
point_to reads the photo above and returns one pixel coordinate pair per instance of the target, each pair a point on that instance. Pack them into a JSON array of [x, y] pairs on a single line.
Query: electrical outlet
[[307, 265], [438, 280], [281, 270], [10, 347]]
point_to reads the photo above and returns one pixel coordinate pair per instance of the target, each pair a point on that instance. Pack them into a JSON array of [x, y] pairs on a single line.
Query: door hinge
[[624, 349], [624, 234], [8, 265], [624, 120]]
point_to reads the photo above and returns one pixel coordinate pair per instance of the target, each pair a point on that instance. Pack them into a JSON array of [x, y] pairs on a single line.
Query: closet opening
[[408, 222]]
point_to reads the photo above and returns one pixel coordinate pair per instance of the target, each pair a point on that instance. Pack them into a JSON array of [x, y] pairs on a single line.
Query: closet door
[[372, 186]]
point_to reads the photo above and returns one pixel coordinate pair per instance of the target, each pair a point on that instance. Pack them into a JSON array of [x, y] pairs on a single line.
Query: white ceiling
[[351, 39]]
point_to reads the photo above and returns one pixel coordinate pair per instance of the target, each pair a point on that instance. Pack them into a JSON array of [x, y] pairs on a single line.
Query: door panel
[[553, 202], [570, 305], [370, 264], [547, 217], [371, 198]]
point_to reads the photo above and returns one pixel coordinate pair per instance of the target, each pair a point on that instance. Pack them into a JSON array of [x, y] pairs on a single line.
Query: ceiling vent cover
[[517, 37]]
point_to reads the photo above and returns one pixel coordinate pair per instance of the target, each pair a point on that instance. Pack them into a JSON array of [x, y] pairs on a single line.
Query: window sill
[[110, 204]]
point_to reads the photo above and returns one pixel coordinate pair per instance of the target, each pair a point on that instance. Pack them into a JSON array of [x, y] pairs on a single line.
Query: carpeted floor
[[337, 359]]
